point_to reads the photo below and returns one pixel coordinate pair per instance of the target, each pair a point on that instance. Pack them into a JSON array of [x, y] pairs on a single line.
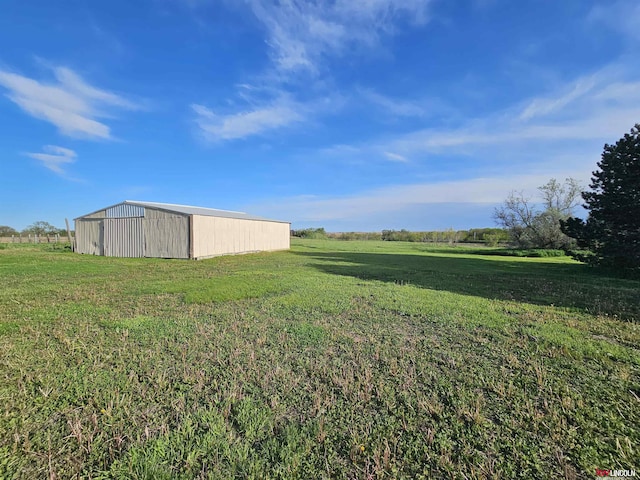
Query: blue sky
[[347, 114]]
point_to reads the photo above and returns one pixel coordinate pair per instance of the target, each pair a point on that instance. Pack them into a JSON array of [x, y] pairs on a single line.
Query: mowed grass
[[333, 360]]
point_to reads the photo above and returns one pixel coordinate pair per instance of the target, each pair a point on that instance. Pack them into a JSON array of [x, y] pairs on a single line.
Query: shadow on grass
[[569, 285]]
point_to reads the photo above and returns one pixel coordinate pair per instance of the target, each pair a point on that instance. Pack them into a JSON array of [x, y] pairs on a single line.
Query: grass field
[[334, 360]]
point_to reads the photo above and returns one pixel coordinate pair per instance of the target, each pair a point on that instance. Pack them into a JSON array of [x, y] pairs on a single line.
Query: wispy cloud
[[394, 157], [539, 107], [69, 102], [393, 106], [217, 127], [259, 111], [557, 134], [300, 32], [55, 158], [598, 107], [621, 15], [379, 202]]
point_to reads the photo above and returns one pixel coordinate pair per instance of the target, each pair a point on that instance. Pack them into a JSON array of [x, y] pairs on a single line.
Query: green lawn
[[333, 360]]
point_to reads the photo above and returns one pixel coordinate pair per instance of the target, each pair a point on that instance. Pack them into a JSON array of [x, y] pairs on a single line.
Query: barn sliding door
[[123, 237]]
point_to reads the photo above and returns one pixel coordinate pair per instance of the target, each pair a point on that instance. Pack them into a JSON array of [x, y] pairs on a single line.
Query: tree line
[[490, 236], [39, 228]]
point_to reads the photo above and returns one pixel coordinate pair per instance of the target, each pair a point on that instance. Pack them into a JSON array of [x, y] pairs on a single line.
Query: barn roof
[[191, 210]]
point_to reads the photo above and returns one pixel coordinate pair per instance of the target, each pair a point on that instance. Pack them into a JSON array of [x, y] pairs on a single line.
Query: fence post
[[73, 244]]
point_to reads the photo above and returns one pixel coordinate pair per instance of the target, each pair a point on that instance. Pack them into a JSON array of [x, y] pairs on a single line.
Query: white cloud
[[216, 127], [55, 158], [71, 104], [265, 109], [72, 82], [378, 203], [621, 15], [301, 32], [555, 135], [545, 106], [607, 125], [395, 107], [394, 157], [596, 108], [619, 92]]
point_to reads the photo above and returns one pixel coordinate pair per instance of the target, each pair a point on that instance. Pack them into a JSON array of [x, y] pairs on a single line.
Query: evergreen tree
[[612, 230]]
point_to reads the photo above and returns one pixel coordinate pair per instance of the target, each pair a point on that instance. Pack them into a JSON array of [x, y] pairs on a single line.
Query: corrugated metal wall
[[99, 214], [89, 236], [153, 213], [123, 237], [219, 236], [124, 210], [162, 234], [133, 231], [166, 237]]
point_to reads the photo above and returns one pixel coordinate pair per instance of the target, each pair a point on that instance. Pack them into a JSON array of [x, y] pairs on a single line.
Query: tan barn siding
[[162, 214], [219, 236], [123, 237], [166, 237], [99, 214], [166, 234], [89, 236]]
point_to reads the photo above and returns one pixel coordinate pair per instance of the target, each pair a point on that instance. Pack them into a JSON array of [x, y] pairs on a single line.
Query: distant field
[[334, 360]]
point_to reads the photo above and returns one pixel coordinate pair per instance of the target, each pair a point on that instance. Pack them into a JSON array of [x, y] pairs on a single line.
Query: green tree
[[531, 227], [494, 239], [611, 233], [309, 233], [6, 231], [40, 228]]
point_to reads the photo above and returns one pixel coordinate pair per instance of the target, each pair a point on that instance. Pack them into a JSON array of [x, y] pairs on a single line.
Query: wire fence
[[35, 239]]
